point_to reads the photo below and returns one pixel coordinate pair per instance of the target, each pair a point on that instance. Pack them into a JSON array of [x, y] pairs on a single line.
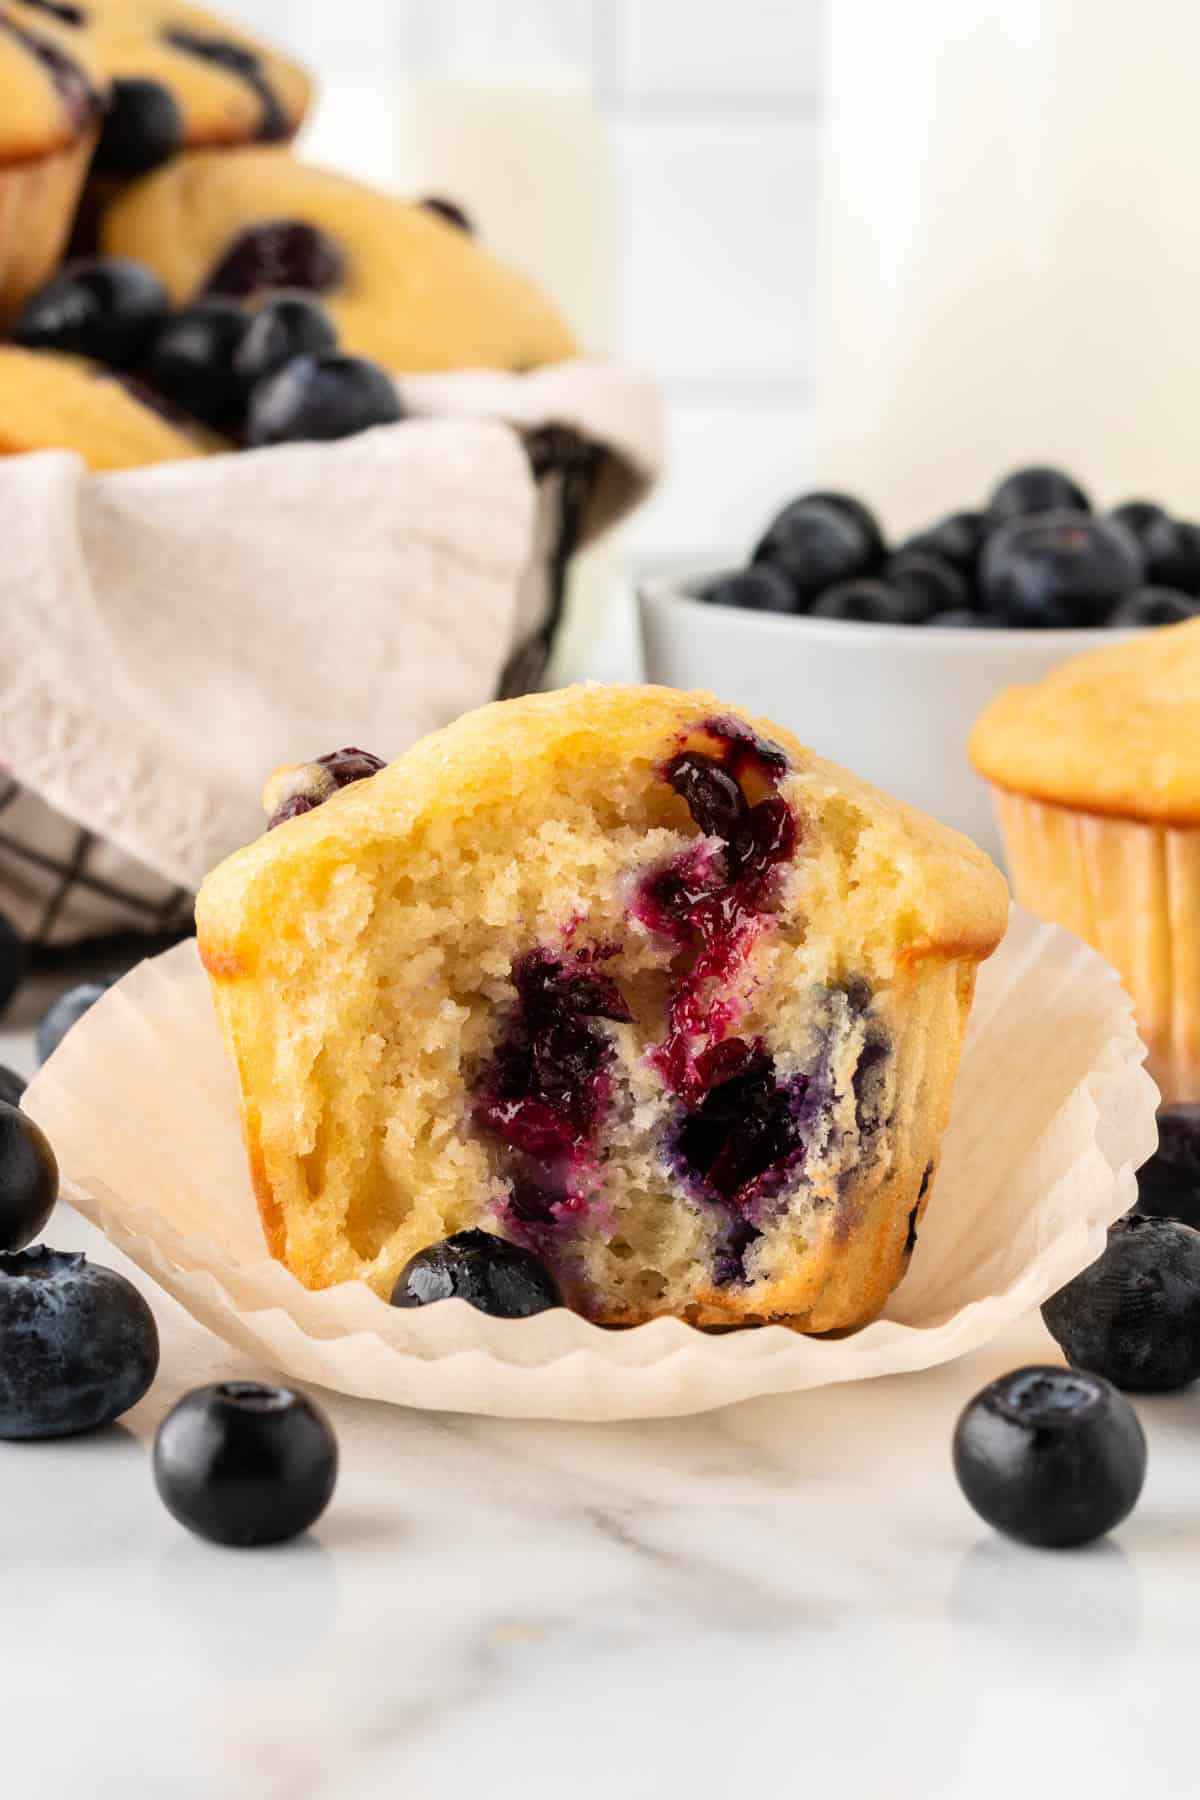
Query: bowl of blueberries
[[881, 656]]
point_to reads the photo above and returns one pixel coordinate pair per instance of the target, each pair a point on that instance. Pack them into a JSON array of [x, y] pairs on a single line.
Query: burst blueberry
[[277, 253]]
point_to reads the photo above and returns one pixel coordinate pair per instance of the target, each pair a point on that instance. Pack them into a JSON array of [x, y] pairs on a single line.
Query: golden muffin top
[[51, 83], [52, 402], [1115, 731]]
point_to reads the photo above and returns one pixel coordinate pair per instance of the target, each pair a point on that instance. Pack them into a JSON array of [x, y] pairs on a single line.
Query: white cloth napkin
[[172, 634]]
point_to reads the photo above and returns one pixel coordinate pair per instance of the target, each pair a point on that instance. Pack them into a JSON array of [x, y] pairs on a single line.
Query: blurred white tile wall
[[712, 108]]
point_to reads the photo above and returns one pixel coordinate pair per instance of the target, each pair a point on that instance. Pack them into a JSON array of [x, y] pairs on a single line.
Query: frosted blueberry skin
[[1134, 1315], [244, 1463], [78, 1345], [491, 1274], [1052, 1457]]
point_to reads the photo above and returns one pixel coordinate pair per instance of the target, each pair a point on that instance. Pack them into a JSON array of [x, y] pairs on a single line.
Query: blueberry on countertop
[[1035, 490], [1169, 1184], [1172, 551], [939, 585], [1053, 1457], [107, 308], [816, 545], [319, 398], [760, 588], [1154, 606], [12, 1086], [284, 327], [1133, 1316], [1058, 570], [192, 361], [66, 1012], [869, 602], [957, 539], [28, 1179], [78, 1345], [489, 1272], [143, 128], [245, 1463]]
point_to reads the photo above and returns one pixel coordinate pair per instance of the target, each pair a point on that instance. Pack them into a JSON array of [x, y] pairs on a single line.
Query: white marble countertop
[[787, 1596]]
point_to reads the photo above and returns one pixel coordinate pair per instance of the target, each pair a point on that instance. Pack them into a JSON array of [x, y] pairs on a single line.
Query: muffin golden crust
[[619, 973], [230, 87], [1115, 731], [51, 402], [403, 286]]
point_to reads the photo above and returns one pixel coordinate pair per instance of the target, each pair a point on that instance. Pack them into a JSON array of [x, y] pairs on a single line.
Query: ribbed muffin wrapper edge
[[1053, 1113]]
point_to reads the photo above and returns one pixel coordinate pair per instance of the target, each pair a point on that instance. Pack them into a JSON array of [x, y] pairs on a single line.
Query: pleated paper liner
[[1053, 1113]]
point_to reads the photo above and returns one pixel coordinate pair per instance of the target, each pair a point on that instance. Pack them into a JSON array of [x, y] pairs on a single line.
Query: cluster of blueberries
[[271, 374], [1035, 557], [1051, 1456]]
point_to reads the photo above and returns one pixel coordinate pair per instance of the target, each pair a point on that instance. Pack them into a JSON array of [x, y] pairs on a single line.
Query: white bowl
[[895, 703]]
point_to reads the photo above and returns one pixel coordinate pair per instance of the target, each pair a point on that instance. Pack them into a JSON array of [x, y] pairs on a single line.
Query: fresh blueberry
[[14, 959], [871, 603], [28, 1179], [1058, 570], [107, 308], [278, 253], [1052, 1457], [962, 618], [67, 1011], [1134, 1315], [321, 398], [78, 1345], [12, 1086], [816, 545], [1169, 1184], [957, 539], [1154, 606], [856, 511], [758, 589], [1035, 490], [1172, 552], [488, 1272], [192, 361], [1136, 517], [244, 1463], [284, 327], [449, 210], [937, 584], [143, 128]]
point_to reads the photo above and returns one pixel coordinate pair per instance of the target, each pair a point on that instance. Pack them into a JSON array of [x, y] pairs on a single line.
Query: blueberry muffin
[[1096, 776], [404, 285], [619, 974], [51, 402], [53, 98]]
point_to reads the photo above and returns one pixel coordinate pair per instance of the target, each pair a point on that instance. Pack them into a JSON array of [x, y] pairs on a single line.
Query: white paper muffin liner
[[1053, 1114]]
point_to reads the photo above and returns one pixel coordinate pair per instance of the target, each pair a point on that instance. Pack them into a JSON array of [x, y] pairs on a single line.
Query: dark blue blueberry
[[1172, 552], [934, 583], [714, 799], [192, 361], [28, 1179], [107, 308], [963, 618], [1154, 606], [277, 253], [1134, 1315], [871, 603], [816, 545], [284, 327], [1169, 1184], [486, 1271], [957, 539], [12, 1086], [1052, 1457], [142, 129], [1136, 517], [244, 1463], [758, 589], [319, 398], [78, 1345], [1035, 490], [449, 210], [1058, 571], [67, 1011], [14, 960], [743, 1127], [853, 509]]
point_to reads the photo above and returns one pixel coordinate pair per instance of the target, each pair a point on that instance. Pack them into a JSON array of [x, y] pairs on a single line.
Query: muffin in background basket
[[1096, 775], [53, 95]]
